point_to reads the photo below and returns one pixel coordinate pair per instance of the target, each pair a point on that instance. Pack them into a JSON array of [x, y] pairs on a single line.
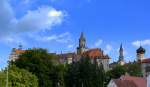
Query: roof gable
[[95, 53]]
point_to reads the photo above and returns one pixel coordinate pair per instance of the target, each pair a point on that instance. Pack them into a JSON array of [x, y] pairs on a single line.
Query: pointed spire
[[82, 40], [82, 36], [121, 48], [121, 56]]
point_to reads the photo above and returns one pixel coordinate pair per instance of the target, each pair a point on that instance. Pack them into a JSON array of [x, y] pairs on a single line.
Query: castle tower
[[82, 44], [140, 53], [121, 57]]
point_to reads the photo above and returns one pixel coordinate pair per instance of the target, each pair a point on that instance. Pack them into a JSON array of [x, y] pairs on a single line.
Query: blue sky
[[56, 25]]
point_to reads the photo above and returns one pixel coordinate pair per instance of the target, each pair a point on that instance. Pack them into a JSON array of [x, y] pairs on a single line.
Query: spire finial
[[140, 44], [121, 45], [121, 48], [20, 46], [82, 36]]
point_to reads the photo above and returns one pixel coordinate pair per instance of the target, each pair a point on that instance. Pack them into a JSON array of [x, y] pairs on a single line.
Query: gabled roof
[[95, 53]]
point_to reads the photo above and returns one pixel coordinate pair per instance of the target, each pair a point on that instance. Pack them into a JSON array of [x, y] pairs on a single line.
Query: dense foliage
[[116, 72], [38, 61], [134, 69], [84, 74], [18, 78]]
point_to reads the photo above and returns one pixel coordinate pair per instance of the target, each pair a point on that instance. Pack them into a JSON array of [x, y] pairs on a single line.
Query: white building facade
[[148, 81], [111, 84]]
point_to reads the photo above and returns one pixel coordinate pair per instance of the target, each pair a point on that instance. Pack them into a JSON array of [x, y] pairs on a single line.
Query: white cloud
[[108, 49], [61, 38], [98, 43], [70, 46], [41, 19], [141, 42]]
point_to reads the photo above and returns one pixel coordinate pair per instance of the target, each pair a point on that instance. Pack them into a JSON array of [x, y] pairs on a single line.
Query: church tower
[[140, 53], [121, 57], [82, 44]]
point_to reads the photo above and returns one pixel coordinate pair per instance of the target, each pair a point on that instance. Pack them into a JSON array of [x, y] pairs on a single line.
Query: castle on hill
[[95, 54]]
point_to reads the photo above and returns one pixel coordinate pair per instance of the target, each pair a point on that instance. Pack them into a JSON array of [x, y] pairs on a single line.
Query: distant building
[[140, 53], [121, 56], [148, 81], [98, 56], [95, 54], [128, 81], [16, 53], [140, 59], [82, 45], [68, 57], [121, 60], [143, 61]]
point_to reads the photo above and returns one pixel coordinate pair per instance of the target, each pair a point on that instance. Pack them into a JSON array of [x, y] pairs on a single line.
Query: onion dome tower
[[140, 53]]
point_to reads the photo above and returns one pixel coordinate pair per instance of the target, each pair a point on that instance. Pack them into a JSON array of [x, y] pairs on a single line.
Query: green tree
[[2, 78], [134, 69], [39, 62], [18, 78], [57, 75], [116, 72], [84, 74]]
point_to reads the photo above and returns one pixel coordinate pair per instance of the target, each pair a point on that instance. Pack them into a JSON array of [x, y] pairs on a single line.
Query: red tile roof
[[147, 60], [139, 81], [96, 53], [124, 83], [17, 51]]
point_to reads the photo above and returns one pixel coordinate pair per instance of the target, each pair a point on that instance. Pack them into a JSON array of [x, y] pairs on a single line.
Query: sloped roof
[[147, 60], [18, 51], [67, 55], [124, 83], [95, 53], [139, 81]]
